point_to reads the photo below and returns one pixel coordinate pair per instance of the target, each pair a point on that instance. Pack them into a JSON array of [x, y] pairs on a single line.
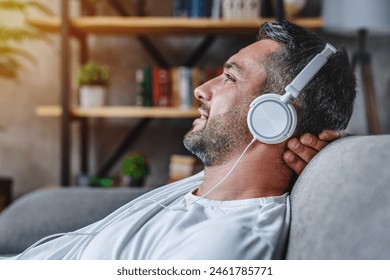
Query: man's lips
[[202, 118], [203, 113]]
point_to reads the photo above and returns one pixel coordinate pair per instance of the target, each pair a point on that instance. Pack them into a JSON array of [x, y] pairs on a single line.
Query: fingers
[[330, 135], [301, 151], [294, 162], [312, 141]]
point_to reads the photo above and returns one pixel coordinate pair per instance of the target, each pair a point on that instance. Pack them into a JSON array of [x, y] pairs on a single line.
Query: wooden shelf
[[104, 25], [119, 112]]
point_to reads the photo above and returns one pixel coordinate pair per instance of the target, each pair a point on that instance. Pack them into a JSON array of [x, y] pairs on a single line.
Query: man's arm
[[301, 151]]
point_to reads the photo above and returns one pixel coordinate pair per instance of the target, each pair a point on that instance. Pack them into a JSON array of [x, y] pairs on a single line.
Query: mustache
[[204, 108]]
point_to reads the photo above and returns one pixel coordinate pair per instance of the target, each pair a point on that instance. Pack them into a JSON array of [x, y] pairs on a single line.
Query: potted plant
[[93, 80], [134, 169]]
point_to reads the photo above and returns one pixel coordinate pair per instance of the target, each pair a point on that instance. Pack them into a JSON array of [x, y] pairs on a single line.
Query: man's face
[[221, 129]]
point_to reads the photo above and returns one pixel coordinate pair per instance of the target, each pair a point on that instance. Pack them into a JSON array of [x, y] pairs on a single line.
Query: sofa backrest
[[341, 202]]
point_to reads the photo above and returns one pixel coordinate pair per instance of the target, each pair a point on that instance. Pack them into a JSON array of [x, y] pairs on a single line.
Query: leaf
[[9, 67], [10, 51], [19, 34], [24, 6]]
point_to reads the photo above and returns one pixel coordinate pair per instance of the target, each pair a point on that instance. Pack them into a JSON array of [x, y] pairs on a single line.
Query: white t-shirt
[[171, 223]]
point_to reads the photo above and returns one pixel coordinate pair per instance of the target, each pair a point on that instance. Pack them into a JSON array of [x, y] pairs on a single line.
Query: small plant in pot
[[93, 80], [134, 170]]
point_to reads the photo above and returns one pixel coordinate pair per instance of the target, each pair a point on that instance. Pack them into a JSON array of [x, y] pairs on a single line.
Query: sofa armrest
[[48, 211], [341, 202]]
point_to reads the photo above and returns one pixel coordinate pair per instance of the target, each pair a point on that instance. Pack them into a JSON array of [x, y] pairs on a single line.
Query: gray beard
[[215, 143]]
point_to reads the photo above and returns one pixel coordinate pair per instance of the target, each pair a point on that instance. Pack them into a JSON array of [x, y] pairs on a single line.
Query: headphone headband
[[304, 77]]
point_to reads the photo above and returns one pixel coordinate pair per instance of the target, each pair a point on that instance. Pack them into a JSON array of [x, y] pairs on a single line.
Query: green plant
[[18, 32], [93, 74], [135, 166]]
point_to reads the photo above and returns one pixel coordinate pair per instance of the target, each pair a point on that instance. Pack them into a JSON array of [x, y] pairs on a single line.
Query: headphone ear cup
[[270, 120]]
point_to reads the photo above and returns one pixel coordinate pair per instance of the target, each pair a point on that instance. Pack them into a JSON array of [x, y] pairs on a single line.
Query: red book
[[165, 88], [156, 85]]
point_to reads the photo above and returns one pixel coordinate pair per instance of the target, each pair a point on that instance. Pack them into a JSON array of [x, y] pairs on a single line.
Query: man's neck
[[260, 173]]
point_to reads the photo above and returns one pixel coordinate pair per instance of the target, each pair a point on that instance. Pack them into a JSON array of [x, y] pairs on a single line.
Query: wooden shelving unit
[[119, 112], [140, 27], [161, 26]]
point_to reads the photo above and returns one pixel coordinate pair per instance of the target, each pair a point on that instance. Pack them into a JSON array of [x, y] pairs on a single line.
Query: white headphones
[[271, 117]]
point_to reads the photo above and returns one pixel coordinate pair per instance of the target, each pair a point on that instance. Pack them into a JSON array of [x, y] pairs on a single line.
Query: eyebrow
[[233, 66]]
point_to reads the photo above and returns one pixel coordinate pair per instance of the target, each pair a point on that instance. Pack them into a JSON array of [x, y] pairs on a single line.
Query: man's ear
[[295, 105]]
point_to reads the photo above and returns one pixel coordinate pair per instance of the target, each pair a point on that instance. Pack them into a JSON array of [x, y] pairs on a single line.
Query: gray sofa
[[340, 206]]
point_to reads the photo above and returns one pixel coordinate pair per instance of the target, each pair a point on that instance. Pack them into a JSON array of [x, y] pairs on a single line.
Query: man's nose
[[205, 91]]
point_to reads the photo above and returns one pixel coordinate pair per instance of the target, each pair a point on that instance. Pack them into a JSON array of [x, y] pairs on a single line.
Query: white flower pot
[[92, 96]]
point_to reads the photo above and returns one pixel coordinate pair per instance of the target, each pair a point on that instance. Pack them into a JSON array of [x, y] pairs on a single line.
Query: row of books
[[161, 87], [227, 9], [194, 8]]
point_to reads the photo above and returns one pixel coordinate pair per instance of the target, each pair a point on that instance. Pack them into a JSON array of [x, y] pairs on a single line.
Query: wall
[[29, 145]]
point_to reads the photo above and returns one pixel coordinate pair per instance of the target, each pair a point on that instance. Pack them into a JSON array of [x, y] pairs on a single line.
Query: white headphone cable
[[230, 171], [53, 236], [215, 186]]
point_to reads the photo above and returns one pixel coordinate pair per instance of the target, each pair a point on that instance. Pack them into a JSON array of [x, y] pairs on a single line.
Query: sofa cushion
[[47, 211], [341, 202]]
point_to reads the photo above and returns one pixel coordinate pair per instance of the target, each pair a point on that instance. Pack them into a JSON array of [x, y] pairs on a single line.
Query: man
[[238, 208]]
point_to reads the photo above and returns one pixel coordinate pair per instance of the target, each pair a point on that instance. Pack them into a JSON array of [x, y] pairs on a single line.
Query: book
[[196, 8], [241, 9], [165, 87], [155, 85], [139, 80], [251, 9], [215, 9], [179, 8], [175, 96], [238, 9], [161, 87], [185, 87], [227, 9], [192, 8], [147, 87]]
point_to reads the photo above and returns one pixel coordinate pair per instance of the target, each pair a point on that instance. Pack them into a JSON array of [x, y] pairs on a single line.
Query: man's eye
[[229, 78]]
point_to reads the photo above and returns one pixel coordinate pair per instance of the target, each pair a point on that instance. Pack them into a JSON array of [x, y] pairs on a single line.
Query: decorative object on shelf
[[241, 9], [292, 8], [84, 180], [14, 31], [181, 166], [93, 80], [103, 182], [134, 170], [358, 17]]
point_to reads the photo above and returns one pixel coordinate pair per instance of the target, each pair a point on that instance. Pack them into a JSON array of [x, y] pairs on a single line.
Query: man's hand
[[301, 151]]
